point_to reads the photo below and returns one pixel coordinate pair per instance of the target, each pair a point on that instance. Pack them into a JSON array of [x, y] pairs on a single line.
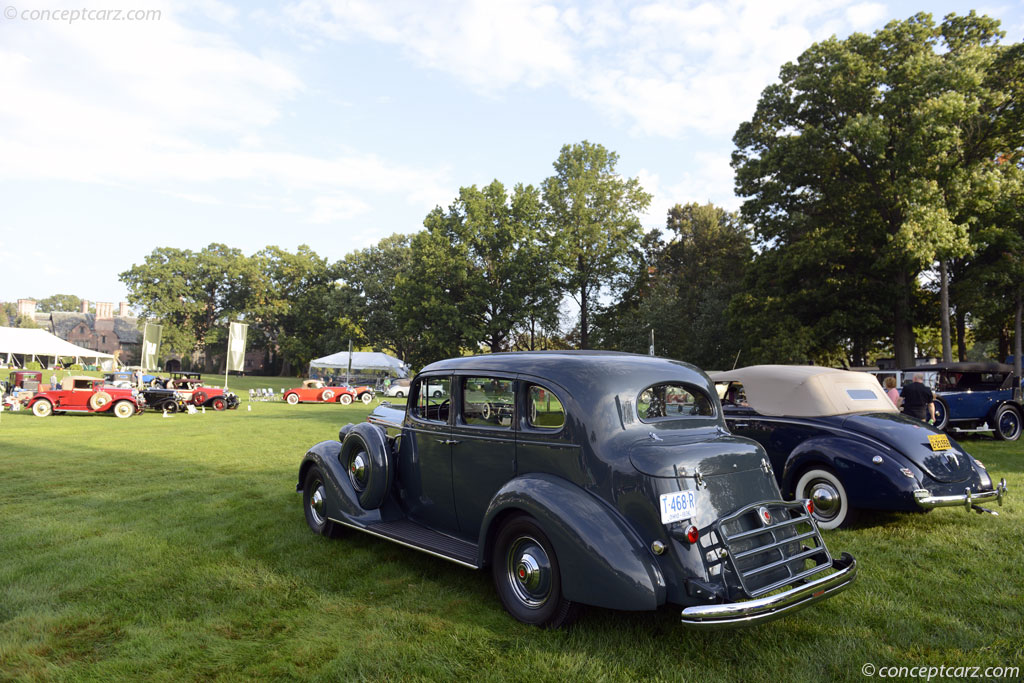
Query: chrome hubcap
[[357, 471], [316, 503], [826, 499], [529, 572]]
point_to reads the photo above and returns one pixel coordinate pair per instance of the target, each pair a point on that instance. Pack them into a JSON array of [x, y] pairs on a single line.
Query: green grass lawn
[[176, 549]]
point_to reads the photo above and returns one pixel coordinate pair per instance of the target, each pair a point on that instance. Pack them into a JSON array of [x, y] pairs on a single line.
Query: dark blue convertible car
[[974, 397], [834, 437]]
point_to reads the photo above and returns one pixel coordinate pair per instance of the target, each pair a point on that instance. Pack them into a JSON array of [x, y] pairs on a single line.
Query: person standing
[[890, 391], [918, 400]]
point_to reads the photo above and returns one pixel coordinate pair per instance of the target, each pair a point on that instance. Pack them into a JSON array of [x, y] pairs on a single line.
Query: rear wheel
[[366, 397], [526, 575], [831, 504], [345, 399], [42, 408], [123, 409], [292, 399], [941, 414], [314, 499], [399, 394], [1008, 424]]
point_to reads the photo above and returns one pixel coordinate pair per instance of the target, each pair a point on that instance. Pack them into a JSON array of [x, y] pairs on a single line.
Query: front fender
[[342, 502], [878, 487], [602, 561]]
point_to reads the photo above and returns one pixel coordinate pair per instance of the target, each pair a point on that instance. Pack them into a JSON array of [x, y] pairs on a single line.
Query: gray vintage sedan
[[578, 478]]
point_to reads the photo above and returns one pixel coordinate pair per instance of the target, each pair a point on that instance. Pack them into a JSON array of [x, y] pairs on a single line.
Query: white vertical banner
[[150, 345], [236, 346]]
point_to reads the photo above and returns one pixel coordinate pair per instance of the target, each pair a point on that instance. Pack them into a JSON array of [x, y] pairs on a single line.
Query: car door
[[425, 471], [484, 449]]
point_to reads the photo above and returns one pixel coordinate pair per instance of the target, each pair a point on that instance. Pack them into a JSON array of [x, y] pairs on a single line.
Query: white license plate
[[678, 506]]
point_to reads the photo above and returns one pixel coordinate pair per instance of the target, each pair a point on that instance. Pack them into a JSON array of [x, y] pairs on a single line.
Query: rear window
[[669, 401], [861, 394]]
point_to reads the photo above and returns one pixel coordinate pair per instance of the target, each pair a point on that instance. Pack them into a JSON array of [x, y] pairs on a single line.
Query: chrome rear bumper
[[773, 606], [927, 501]]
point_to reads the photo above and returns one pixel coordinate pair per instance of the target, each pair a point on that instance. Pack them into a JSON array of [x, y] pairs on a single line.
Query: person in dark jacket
[[918, 400]]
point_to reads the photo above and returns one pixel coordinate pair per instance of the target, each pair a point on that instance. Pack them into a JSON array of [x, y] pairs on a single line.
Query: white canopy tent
[[36, 344], [374, 361]]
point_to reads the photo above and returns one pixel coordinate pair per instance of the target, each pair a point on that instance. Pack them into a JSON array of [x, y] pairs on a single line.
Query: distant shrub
[[33, 365], [75, 366]]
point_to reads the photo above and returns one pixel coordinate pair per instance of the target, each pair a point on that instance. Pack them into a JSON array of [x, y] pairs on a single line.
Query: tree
[[189, 292], [593, 225], [684, 291], [278, 285], [859, 160], [59, 302]]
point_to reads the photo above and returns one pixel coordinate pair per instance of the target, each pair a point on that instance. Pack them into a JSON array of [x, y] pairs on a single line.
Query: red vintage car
[[315, 391], [86, 395], [195, 392]]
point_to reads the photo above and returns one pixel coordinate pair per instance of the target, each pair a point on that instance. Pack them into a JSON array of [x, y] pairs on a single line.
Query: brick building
[[103, 330]]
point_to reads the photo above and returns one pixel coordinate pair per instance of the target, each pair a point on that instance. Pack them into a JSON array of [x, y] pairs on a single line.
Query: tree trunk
[[961, 336], [1016, 349], [947, 348], [583, 319], [903, 329]]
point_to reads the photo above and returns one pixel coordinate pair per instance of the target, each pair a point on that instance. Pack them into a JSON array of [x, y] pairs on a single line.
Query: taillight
[[692, 534], [809, 504]]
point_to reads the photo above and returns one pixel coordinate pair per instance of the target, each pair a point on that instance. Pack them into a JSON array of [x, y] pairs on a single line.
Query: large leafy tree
[[857, 166], [684, 291], [593, 225], [190, 292], [59, 302], [279, 288]]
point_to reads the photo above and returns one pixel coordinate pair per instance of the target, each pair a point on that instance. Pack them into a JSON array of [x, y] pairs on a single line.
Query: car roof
[[806, 390], [963, 367], [585, 373]]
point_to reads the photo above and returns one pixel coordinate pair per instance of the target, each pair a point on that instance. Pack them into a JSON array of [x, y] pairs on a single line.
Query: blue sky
[[337, 123]]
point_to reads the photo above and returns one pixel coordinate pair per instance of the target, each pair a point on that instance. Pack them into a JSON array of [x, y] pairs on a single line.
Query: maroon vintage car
[[198, 394], [86, 395]]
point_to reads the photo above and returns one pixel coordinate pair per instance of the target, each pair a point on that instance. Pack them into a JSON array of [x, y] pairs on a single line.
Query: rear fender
[[602, 560], [879, 487]]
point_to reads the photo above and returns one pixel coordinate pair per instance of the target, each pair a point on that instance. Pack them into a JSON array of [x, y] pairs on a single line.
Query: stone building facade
[[105, 330]]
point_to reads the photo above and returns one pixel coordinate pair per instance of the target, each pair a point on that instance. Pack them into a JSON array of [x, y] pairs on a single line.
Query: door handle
[[447, 442], [740, 424]]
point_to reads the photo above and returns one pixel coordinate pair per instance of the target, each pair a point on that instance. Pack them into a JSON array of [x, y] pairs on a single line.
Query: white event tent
[[361, 360], [39, 345]]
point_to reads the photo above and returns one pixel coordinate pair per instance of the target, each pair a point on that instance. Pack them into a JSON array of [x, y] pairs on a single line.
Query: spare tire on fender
[[367, 459], [199, 398], [99, 399]]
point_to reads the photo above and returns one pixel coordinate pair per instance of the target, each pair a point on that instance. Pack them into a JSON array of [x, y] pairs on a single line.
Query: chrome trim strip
[[775, 606], [927, 501], [372, 419], [407, 545]]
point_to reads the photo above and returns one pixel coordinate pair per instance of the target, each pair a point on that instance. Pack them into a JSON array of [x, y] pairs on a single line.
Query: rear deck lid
[[931, 450]]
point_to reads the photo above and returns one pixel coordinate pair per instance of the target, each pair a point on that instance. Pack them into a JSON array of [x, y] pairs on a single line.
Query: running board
[[412, 535]]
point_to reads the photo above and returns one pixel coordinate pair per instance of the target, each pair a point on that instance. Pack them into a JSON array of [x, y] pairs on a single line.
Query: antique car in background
[[86, 395], [192, 389], [315, 391], [164, 400], [398, 388], [23, 383], [126, 379], [974, 397], [575, 481], [834, 437]]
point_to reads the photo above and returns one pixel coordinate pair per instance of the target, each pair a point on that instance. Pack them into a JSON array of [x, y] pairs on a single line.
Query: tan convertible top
[[808, 390]]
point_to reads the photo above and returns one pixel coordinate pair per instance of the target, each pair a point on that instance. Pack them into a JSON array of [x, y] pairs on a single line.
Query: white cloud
[[154, 102], [669, 68], [712, 181]]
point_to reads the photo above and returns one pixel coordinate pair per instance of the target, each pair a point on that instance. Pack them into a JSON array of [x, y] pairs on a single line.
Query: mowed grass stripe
[[176, 548]]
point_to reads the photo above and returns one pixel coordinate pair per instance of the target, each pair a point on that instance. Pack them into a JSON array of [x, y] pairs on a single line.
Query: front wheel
[[219, 404], [1008, 425], [526, 575], [42, 408], [314, 500], [123, 409], [831, 504]]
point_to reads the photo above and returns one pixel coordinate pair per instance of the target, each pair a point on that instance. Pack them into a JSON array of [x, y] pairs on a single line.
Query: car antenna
[[734, 363]]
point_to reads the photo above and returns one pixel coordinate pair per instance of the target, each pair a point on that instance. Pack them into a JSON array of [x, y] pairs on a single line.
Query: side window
[[672, 401], [433, 400], [545, 410], [487, 401]]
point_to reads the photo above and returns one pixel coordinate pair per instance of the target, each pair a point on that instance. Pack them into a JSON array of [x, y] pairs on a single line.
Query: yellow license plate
[[939, 442]]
